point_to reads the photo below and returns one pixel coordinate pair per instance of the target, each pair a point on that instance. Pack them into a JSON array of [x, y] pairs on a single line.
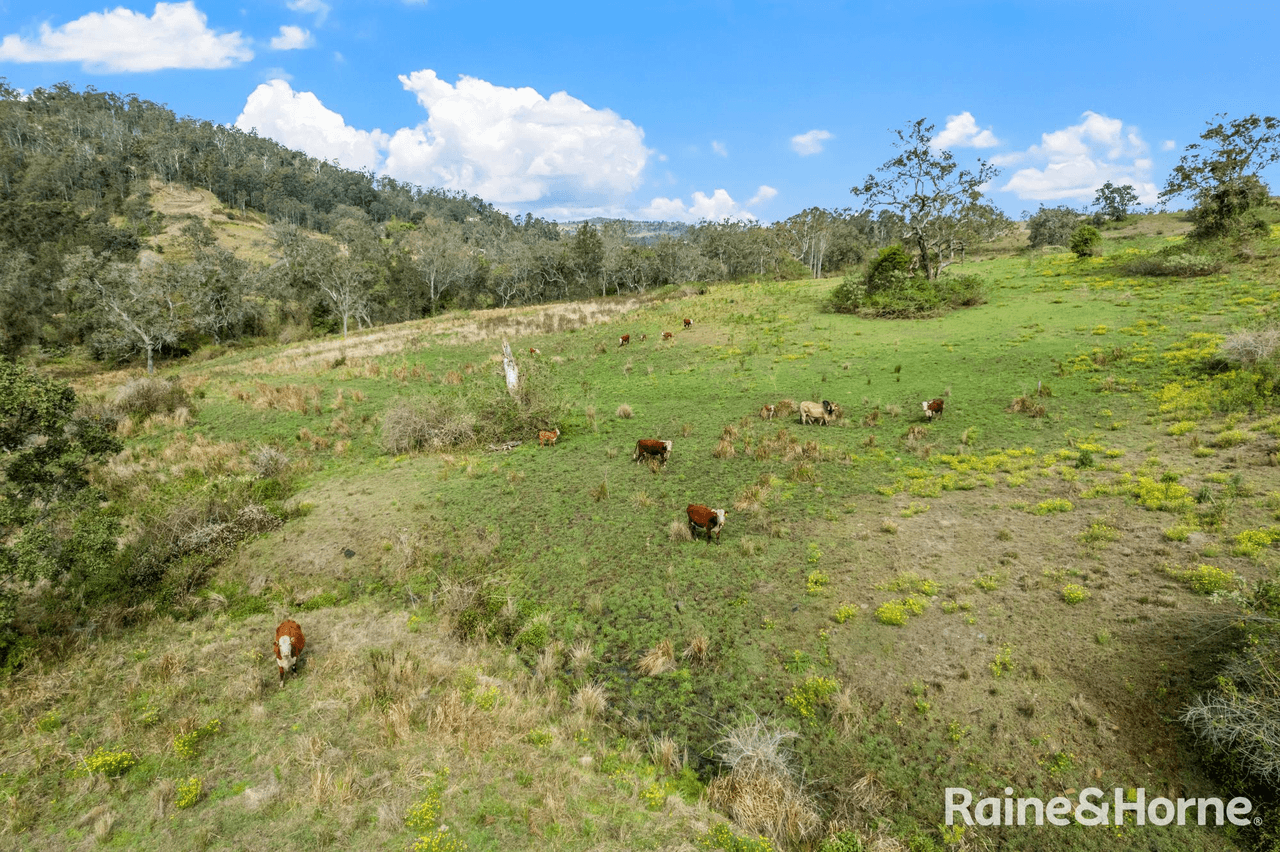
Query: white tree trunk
[[510, 368]]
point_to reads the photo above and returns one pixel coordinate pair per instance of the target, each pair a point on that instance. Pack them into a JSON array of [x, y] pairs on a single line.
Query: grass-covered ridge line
[[1016, 593]]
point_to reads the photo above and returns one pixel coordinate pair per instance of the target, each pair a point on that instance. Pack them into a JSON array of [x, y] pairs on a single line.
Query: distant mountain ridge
[[640, 231]]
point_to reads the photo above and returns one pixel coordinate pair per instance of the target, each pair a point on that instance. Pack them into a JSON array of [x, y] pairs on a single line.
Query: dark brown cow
[[648, 447], [932, 408], [666, 335], [710, 520], [624, 340]]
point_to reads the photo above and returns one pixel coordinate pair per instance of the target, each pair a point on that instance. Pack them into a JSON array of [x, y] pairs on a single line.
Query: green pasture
[[995, 594]]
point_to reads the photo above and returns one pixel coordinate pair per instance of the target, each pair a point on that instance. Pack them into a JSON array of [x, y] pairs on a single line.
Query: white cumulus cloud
[[805, 144], [962, 132], [512, 145], [1070, 164], [1168, 145], [298, 120], [719, 148], [176, 35], [714, 207], [292, 38]]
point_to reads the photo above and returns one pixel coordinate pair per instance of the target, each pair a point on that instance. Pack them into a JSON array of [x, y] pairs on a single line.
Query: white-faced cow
[[932, 408], [708, 520]]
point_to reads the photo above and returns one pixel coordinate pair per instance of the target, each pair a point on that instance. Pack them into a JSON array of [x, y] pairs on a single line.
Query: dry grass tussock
[[296, 398], [658, 659], [1028, 406], [678, 530], [1251, 347], [759, 791]]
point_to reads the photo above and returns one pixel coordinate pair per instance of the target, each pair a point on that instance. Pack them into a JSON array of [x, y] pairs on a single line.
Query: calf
[[815, 412], [643, 338], [624, 340], [932, 408], [648, 447], [666, 335], [545, 437], [688, 323], [533, 351], [769, 412], [289, 645], [710, 520]]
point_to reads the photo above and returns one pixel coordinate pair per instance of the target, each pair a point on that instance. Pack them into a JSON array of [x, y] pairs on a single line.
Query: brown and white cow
[[545, 437], [932, 408], [289, 645], [624, 340], [709, 520], [647, 447], [769, 412], [688, 323], [666, 335]]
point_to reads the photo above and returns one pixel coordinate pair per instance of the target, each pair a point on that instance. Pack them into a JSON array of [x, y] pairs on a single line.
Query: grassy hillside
[[1006, 596]]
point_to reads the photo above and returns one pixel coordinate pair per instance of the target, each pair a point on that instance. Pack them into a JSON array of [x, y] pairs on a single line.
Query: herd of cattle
[[711, 521]]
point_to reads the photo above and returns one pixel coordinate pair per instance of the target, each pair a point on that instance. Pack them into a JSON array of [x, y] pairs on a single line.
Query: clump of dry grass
[[729, 433], [785, 407], [601, 491], [641, 499], [591, 700], [581, 656], [1026, 405], [658, 659], [686, 429], [453, 377], [624, 412], [428, 423], [590, 412], [1250, 347], [752, 498], [698, 651], [724, 449], [666, 755], [871, 418], [678, 530], [295, 398], [760, 791]]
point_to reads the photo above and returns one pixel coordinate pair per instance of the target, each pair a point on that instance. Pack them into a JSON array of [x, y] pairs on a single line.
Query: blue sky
[[680, 110]]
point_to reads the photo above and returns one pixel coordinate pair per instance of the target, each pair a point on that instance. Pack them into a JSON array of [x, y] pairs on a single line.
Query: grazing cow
[[533, 351], [643, 338], [710, 520], [932, 408], [289, 645], [666, 335], [769, 412], [624, 340], [649, 447], [688, 323], [815, 411], [545, 437]]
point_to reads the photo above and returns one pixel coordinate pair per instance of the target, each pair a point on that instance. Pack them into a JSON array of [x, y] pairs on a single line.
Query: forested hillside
[[91, 258]]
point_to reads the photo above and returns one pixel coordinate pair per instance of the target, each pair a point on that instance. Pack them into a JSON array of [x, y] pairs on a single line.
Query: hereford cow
[[769, 412], [932, 408], [624, 340], [666, 335], [688, 323], [648, 447], [815, 411], [710, 520], [289, 645], [533, 351]]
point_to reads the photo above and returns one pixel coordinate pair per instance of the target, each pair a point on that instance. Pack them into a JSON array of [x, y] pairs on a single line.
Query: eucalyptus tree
[[1222, 173], [928, 189]]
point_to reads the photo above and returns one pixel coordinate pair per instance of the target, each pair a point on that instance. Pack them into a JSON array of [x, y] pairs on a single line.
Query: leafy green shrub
[[721, 837], [188, 745], [1251, 543], [1085, 241], [1052, 226], [149, 395], [1174, 264]]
